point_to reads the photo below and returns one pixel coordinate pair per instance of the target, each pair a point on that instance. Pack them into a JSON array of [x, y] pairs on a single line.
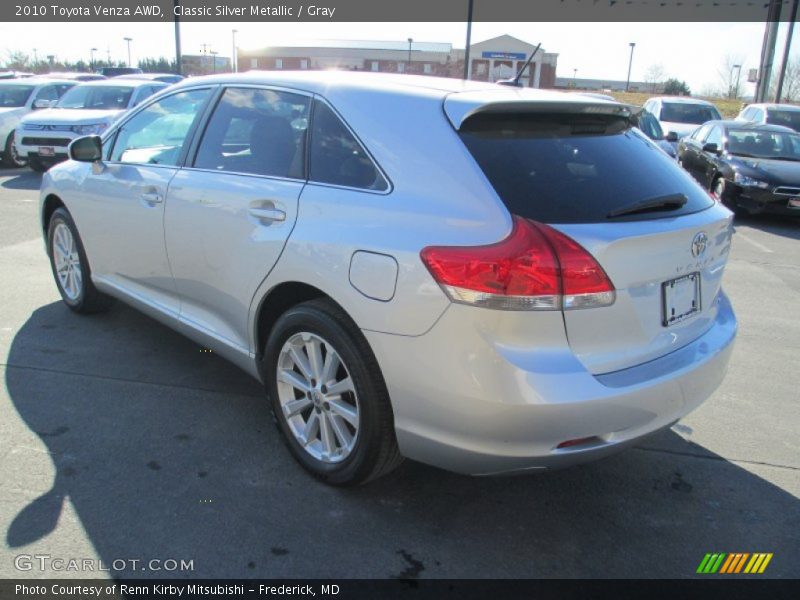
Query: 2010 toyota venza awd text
[[482, 278]]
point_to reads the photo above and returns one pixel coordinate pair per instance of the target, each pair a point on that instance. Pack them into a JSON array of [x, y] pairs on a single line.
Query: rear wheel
[[10, 156], [328, 396], [70, 266]]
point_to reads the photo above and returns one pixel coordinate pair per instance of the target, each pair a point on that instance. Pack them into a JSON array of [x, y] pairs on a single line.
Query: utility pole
[[467, 69], [410, 41], [786, 47], [733, 92], [91, 61], [630, 64], [234, 57], [213, 54], [768, 50], [178, 68], [129, 40]]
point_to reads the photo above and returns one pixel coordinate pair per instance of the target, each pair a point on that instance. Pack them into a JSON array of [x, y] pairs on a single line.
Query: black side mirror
[[672, 137], [86, 149], [712, 148]]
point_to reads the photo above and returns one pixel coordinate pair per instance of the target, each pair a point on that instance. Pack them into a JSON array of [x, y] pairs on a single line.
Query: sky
[[693, 52]]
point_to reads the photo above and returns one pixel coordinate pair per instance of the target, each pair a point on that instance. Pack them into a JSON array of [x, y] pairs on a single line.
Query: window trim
[[191, 155], [358, 140], [111, 134]]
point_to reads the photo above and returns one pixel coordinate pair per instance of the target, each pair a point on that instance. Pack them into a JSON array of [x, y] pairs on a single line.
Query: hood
[[12, 113], [71, 116], [779, 172], [682, 129]]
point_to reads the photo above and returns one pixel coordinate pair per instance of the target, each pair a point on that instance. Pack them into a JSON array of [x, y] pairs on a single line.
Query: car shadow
[[786, 226], [24, 180], [165, 451]]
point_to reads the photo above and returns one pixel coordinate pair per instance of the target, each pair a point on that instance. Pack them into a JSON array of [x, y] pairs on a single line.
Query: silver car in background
[[484, 279]]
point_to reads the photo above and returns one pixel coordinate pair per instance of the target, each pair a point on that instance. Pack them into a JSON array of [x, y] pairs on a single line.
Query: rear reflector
[[534, 268], [579, 442]]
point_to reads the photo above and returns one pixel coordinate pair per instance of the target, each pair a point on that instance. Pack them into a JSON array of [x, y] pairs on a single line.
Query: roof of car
[[148, 76], [791, 107], [748, 125], [116, 82], [681, 100], [36, 81]]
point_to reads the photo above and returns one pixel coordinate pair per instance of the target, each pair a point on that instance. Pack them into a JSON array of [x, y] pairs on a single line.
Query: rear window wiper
[[670, 202]]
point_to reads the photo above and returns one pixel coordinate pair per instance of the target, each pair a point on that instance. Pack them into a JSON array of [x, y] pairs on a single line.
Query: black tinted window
[[262, 132], [336, 157], [679, 112], [649, 125], [787, 118], [574, 169]]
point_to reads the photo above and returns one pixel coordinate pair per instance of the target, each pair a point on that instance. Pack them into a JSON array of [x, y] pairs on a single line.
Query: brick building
[[490, 60]]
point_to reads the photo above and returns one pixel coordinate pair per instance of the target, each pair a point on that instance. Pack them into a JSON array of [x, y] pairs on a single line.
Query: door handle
[[152, 197], [268, 214]]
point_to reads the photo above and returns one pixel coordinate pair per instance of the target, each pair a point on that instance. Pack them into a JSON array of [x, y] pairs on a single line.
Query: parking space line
[[753, 242]]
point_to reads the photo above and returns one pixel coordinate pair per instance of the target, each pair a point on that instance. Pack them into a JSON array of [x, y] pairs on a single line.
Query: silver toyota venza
[[483, 278]]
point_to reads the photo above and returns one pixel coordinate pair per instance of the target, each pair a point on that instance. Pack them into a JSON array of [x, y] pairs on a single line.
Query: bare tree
[[791, 82], [730, 71], [654, 75], [17, 60]]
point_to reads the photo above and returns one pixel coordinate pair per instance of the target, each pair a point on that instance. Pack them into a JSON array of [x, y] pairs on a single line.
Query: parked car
[[751, 168], [74, 76], [19, 97], [651, 128], [679, 116], [163, 77], [14, 75], [487, 280], [787, 115], [86, 109], [117, 71]]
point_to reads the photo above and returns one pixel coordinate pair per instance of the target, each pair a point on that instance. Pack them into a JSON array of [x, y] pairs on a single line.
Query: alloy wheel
[[317, 397], [67, 262]]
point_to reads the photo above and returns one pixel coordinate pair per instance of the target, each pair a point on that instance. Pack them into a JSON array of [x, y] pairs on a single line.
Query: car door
[[707, 161], [691, 147], [123, 212], [230, 211]]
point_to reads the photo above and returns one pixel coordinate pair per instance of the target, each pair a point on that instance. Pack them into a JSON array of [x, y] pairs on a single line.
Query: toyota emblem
[[699, 244]]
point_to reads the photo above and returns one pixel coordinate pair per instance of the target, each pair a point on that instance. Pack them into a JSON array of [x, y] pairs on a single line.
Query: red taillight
[[535, 267]]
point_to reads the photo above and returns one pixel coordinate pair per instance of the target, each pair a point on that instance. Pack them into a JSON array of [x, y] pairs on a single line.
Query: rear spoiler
[[461, 106]]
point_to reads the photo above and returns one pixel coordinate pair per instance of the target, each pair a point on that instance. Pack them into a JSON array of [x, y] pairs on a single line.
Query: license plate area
[[47, 151], [794, 203], [680, 298]]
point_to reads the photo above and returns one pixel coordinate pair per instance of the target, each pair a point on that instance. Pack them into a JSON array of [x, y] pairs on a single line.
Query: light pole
[[734, 91], [630, 64], [574, 74], [129, 40], [213, 54], [91, 61], [234, 58], [410, 40], [204, 53], [35, 58]]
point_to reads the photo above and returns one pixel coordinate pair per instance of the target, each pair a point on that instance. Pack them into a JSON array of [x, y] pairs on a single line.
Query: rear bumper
[[466, 403], [764, 201]]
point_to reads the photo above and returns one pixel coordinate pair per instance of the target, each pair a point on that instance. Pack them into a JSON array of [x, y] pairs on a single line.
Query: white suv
[[787, 115]]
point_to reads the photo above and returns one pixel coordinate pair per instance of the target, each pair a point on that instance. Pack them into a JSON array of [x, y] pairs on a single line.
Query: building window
[[253, 63], [304, 64], [375, 65], [426, 68], [401, 67], [481, 68], [278, 63]]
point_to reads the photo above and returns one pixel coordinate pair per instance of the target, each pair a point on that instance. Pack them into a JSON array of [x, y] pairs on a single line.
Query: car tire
[[70, 266], [10, 156], [37, 165], [720, 192], [342, 434]]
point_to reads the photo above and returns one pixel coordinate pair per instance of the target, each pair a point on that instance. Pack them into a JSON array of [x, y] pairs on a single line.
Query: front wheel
[[70, 266], [328, 397], [10, 156]]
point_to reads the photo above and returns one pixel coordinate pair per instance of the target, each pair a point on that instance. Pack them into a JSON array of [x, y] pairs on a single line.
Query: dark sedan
[[750, 168], [650, 126]]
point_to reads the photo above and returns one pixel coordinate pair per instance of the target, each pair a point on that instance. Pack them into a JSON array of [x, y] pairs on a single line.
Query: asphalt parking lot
[[120, 439]]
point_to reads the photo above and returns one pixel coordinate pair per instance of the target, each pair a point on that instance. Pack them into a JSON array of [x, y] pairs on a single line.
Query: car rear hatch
[[580, 168]]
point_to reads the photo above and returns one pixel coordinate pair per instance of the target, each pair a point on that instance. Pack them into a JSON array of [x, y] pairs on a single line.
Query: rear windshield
[[787, 118], [99, 97], [576, 169], [681, 112]]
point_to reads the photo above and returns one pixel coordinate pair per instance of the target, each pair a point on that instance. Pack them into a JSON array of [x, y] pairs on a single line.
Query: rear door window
[[256, 131], [575, 169], [336, 156]]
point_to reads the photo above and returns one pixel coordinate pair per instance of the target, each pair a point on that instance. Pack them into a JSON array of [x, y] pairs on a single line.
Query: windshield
[[787, 118], [575, 168], [14, 96], [696, 114], [650, 127], [104, 97], [764, 144]]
